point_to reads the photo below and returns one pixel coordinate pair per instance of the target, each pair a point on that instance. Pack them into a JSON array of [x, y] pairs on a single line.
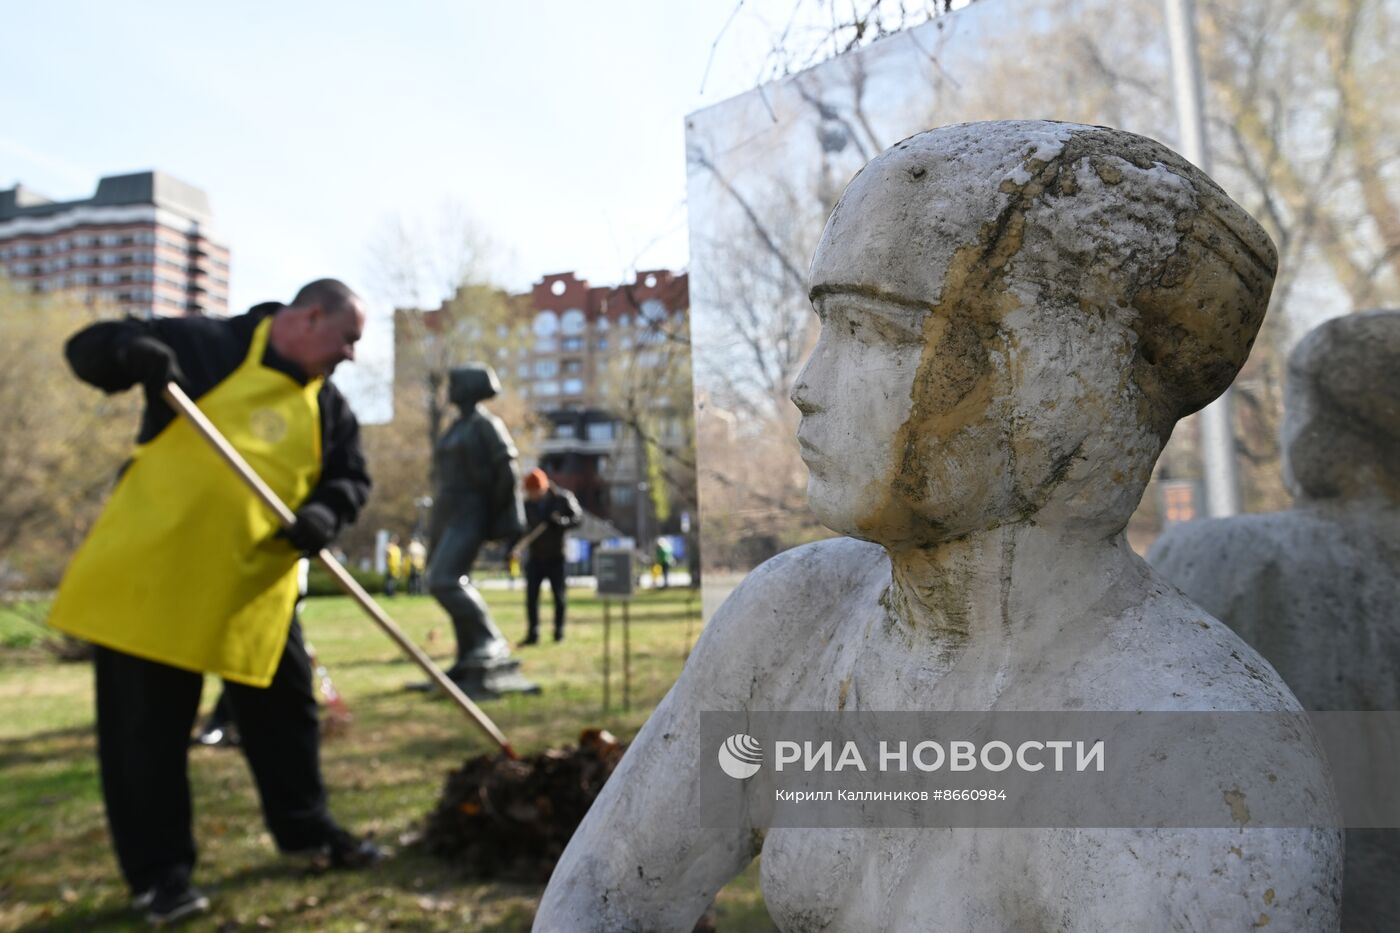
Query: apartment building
[[585, 342], [143, 242]]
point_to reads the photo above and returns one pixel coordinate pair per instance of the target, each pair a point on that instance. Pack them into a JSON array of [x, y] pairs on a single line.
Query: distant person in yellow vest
[[417, 565], [393, 565], [185, 573]]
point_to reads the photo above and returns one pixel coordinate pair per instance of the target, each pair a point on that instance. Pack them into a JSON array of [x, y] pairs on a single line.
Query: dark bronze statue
[[476, 499]]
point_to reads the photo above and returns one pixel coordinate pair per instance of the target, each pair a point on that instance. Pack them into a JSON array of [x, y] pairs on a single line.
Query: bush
[[319, 582]]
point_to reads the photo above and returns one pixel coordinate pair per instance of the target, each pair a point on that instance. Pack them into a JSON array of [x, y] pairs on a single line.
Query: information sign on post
[[612, 567]]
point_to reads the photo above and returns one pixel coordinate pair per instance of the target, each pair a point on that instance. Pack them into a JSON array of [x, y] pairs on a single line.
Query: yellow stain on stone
[[1238, 811]]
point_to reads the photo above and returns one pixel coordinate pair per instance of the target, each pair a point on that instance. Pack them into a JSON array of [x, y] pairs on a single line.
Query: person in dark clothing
[[551, 510], [261, 377]]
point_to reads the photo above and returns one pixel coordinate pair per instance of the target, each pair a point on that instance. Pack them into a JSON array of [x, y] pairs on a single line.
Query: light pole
[[1217, 427]]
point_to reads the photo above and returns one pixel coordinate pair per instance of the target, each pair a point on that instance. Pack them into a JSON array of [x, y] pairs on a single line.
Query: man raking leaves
[[184, 573]]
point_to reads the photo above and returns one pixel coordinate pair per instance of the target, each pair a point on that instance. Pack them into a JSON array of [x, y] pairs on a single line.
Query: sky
[[557, 127]]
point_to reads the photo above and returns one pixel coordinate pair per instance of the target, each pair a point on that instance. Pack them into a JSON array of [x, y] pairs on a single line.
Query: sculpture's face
[[855, 394]]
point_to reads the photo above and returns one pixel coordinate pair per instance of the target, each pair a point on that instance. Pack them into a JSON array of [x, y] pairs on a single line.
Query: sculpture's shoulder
[[488, 430], [1183, 658], [787, 607], [802, 586], [812, 575]]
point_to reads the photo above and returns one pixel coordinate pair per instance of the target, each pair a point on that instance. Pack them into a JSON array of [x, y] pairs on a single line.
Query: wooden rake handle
[[182, 403]]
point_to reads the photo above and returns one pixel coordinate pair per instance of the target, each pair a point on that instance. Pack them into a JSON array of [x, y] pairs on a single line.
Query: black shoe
[[351, 852], [342, 851], [558, 636], [172, 902], [528, 641]]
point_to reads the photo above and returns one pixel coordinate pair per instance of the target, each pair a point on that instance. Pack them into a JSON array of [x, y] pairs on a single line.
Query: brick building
[[142, 242], [580, 336], [573, 344]]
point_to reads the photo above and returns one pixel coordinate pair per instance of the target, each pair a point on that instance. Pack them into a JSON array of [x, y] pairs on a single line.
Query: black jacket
[[559, 510], [208, 350]]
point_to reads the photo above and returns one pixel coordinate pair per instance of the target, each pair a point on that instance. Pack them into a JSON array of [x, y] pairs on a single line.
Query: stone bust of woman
[[1014, 316]]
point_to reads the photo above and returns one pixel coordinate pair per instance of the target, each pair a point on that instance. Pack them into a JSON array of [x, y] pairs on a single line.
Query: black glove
[[314, 528], [149, 362]]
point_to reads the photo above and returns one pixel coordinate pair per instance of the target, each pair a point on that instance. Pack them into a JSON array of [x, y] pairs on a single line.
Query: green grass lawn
[[57, 871]]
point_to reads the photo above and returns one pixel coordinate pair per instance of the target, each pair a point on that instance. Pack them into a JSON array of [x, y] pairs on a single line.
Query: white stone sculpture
[[1014, 316], [1316, 589]]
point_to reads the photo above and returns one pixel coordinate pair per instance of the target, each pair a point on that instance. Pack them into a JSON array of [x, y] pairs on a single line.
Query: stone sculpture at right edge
[[1316, 589]]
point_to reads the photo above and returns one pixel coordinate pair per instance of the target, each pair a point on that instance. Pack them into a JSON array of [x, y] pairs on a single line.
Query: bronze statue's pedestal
[[487, 680]]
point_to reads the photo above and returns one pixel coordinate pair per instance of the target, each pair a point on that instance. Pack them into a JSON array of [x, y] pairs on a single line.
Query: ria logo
[[740, 756]]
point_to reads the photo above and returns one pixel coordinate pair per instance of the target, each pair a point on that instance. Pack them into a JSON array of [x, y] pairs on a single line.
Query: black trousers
[[145, 712], [536, 572]]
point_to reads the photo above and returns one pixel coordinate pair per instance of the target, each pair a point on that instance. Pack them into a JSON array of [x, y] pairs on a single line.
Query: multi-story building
[[142, 242], [589, 347], [597, 366]]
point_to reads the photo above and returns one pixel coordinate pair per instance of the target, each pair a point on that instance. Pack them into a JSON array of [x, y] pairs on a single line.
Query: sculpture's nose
[[801, 393]]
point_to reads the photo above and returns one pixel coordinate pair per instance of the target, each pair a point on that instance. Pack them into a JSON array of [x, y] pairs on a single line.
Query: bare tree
[[447, 314], [61, 442]]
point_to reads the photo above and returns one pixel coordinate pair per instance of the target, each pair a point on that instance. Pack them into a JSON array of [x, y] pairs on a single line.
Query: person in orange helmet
[[555, 509]]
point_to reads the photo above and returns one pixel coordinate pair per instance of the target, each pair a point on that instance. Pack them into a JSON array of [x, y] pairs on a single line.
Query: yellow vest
[[183, 566]]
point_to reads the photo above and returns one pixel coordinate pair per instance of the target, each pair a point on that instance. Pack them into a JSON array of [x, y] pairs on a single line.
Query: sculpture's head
[[467, 385], [1014, 316], [1341, 423]]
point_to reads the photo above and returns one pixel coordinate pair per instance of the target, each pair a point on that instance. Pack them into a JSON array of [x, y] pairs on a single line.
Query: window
[[600, 431], [653, 312], [564, 430], [546, 369], [573, 386], [522, 371], [602, 344], [546, 324], [573, 366], [546, 387], [602, 323], [571, 344], [546, 345], [622, 495], [573, 321]]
